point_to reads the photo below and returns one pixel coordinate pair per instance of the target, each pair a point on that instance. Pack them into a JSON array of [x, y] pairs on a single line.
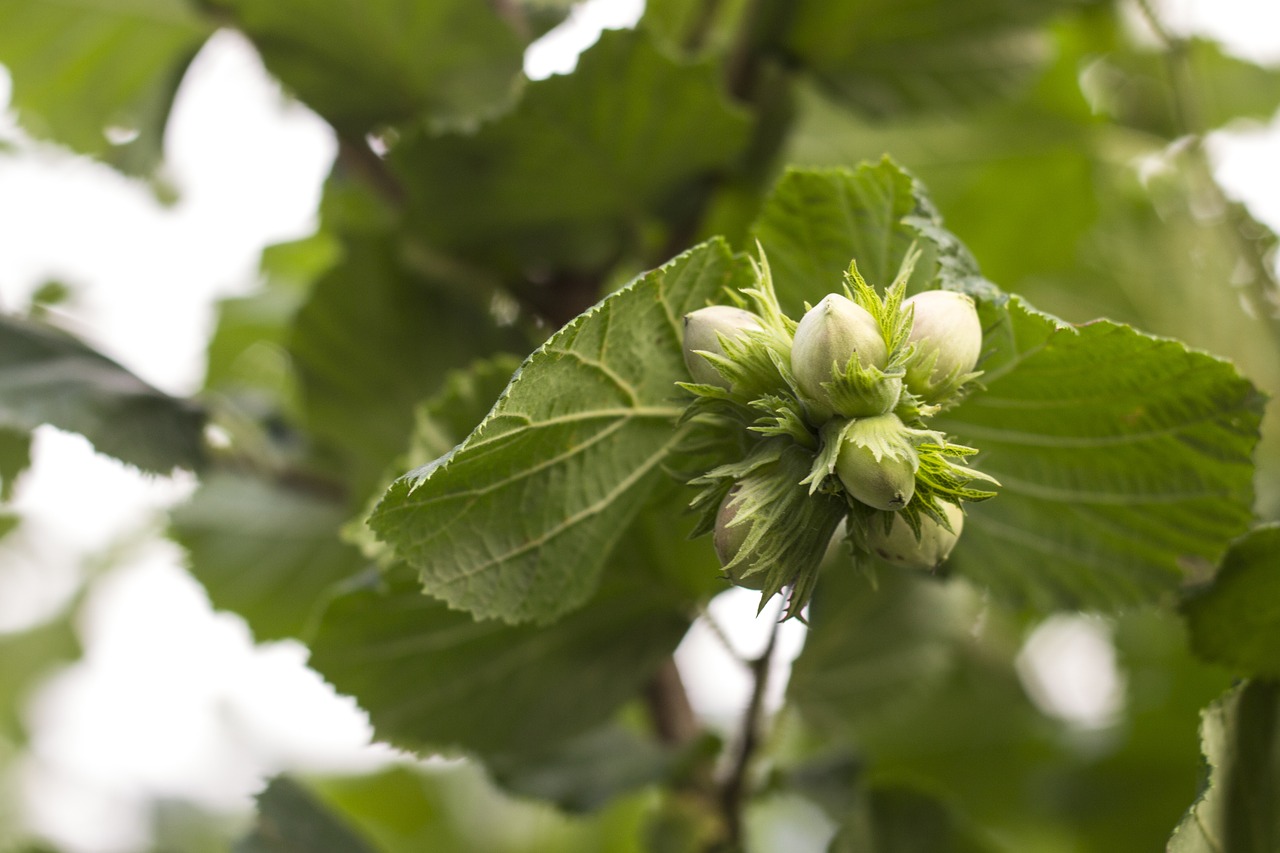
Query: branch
[[669, 707], [733, 791]]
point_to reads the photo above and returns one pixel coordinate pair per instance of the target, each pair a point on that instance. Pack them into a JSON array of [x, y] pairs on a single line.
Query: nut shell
[[900, 547], [827, 337], [702, 330]]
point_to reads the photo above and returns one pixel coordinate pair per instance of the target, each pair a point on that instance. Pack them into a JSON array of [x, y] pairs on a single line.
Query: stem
[[669, 707], [733, 791]]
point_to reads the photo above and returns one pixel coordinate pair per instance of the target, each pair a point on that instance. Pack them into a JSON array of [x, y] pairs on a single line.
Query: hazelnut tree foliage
[[465, 441]]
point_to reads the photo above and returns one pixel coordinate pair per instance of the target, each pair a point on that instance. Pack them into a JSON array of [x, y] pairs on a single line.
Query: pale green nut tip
[[702, 330], [827, 338], [948, 337]]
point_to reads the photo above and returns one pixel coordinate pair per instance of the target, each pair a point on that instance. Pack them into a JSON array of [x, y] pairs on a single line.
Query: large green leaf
[[374, 338], [81, 69], [1238, 811], [432, 678], [517, 522], [1235, 620], [1122, 456], [570, 175], [47, 376], [1123, 459], [267, 552], [890, 56], [361, 63], [816, 221]]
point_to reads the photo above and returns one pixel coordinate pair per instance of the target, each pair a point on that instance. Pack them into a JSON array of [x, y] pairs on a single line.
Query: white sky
[[171, 699]]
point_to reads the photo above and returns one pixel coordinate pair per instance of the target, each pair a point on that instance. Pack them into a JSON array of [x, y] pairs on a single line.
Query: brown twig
[[734, 789], [669, 708]]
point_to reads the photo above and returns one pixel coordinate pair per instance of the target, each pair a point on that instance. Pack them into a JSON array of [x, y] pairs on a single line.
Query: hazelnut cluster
[[828, 419]]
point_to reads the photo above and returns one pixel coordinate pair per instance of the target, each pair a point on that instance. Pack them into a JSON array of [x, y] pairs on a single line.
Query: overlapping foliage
[[478, 353]]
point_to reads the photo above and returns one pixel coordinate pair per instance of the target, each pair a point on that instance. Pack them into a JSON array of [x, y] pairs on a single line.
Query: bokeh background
[[149, 719]]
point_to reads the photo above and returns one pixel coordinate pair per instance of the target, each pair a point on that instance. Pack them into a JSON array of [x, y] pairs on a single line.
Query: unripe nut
[[944, 323], [827, 337], [888, 482], [702, 329], [728, 539], [900, 547]]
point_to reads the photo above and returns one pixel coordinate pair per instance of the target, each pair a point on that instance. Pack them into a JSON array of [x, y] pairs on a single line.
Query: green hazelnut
[[948, 337], [702, 331], [900, 547], [828, 337], [875, 463]]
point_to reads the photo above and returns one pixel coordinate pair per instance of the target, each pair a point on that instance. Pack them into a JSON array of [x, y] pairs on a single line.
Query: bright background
[[172, 700]]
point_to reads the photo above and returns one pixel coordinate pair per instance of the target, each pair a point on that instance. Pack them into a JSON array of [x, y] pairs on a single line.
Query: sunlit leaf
[[1121, 458], [99, 77], [1237, 811], [517, 522]]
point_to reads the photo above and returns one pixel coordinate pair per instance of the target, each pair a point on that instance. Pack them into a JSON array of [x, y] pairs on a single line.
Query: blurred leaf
[[183, 826], [1151, 747], [976, 742], [586, 772], [901, 820], [1121, 456], [362, 64], [518, 521], [973, 738], [454, 808], [1238, 811], [433, 678], [695, 27], [461, 404], [247, 350], [374, 338], [875, 645], [1134, 87], [886, 57], [99, 77], [1235, 619], [47, 376], [267, 552], [15, 457], [292, 820], [571, 173], [544, 15], [816, 221], [25, 658]]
